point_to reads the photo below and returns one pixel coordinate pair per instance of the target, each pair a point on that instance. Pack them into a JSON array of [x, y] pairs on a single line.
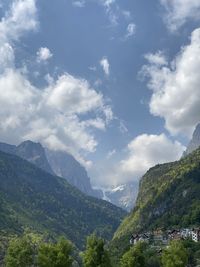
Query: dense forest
[[33, 250], [33, 198]]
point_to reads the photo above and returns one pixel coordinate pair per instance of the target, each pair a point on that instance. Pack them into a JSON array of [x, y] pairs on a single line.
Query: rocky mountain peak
[[195, 141], [66, 166], [30, 151]]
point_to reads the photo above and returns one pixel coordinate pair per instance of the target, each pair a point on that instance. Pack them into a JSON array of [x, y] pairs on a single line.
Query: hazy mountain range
[[63, 164]]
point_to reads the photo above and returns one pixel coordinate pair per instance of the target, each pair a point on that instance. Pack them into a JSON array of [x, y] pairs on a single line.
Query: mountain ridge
[[194, 142], [168, 198], [33, 198]]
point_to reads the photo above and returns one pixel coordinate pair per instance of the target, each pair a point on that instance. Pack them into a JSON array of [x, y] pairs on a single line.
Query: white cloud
[[143, 152], [111, 11], [73, 96], [44, 54], [131, 30], [6, 56], [108, 3], [105, 65], [19, 19], [146, 151], [157, 59], [78, 3], [175, 87], [62, 115], [126, 14], [111, 153], [178, 12], [122, 127], [51, 115]]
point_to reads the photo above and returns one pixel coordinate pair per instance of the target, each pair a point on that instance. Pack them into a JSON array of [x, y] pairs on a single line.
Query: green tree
[[175, 255], [20, 252], [55, 255], [96, 255], [135, 257]]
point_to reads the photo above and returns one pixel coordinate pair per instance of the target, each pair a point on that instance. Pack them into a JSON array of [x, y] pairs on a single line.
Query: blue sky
[[113, 82]]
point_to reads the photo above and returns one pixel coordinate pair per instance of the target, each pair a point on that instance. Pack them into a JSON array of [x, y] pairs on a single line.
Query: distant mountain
[[66, 166], [54, 162], [123, 196], [33, 152], [195, 142], [169, 197], [33, 198]]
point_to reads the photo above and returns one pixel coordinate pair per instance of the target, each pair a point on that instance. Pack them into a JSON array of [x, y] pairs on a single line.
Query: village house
[[164, 237], [139, 238], [196, 235], [186, 233]]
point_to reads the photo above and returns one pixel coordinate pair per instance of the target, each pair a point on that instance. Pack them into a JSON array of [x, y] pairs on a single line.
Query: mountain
[[123, 196], [169, 197], [28, 150], [33, 198], [195, 142], [66, 166], [54, 162]]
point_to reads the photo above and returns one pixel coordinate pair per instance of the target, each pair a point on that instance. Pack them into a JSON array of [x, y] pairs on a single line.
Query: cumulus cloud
[[62, 115], [158, 58], [131, 30], [178, 12], [175, 87], [143, 152], [20, 18], [43, 54], [105, 65], [146, 151], [51, 115]]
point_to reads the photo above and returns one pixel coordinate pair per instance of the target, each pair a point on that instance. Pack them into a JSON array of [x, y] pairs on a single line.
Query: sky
[[115, 83]]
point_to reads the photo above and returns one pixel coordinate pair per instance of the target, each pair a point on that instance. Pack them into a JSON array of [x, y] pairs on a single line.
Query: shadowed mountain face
[[59, 163], [33, 198], [66, 166], [195, 142], [30, 151]]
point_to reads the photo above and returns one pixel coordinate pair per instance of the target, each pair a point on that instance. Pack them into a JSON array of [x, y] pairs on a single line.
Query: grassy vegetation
[[30, 197], [168, 198]]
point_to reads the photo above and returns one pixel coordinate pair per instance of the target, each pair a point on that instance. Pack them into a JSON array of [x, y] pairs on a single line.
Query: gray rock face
[[34, 153], [7, 148], [30, 151], [123, 196], [60, 163], [66, 166], [195, 142]]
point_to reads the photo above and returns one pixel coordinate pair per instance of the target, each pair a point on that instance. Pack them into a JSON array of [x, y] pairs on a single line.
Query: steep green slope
[[169, 196], [30, 197]]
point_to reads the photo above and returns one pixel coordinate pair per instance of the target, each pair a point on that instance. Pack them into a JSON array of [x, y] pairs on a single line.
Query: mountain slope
[[169, 196], [30, 197], [54, 162], [195, 141], [123, 196], [66, 166], [30, 151]]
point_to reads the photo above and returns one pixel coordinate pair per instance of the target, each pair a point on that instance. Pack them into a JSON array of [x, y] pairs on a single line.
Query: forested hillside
[[30, 197]]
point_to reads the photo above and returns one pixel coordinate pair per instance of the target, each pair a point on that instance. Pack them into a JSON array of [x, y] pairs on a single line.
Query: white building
[[196, 235]]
